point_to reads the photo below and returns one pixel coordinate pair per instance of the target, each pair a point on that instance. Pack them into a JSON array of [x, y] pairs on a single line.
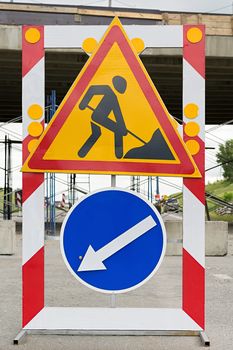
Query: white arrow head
[[91, 261]]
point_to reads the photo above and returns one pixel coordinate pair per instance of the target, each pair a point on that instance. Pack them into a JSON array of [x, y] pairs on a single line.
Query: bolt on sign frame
[[36, 316]]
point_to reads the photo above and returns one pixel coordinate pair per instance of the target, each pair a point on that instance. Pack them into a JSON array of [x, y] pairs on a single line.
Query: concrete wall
[[216, 238], [7, 237]]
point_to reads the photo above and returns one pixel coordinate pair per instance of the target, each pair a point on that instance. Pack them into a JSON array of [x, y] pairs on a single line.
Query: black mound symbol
[[156, 148]]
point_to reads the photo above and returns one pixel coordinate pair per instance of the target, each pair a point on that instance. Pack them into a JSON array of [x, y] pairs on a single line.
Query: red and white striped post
[[63, 200], [18, 198], [191, 316], [194, 189], [33, 184]]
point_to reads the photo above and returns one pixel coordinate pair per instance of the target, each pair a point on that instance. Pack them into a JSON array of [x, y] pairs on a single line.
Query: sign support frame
[[45, 320], [113, 296]]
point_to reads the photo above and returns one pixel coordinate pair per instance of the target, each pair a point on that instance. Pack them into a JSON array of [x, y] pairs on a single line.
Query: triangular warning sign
[[112, 120]]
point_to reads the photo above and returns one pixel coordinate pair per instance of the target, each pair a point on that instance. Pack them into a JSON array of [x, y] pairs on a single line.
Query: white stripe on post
[[33, 93], [33, 223], [194, 226], [194, 92], [194, 210], [33, 207]]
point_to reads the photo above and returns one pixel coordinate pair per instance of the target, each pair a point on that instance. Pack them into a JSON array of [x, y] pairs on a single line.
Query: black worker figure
[[155, 148], [100, 116]]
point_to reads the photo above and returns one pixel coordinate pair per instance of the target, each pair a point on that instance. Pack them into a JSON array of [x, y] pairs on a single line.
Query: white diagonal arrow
[[93, 260]]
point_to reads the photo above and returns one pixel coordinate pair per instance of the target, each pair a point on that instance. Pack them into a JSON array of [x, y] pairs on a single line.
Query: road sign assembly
[[116, 249], [105, 129], [100, 127]]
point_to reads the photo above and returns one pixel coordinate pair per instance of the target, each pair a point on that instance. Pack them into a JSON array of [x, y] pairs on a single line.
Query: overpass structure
[[163, 65]]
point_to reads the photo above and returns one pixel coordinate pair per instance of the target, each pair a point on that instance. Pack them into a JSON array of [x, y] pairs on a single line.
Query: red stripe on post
[[193, 289], [31, 181], [31, 52], [26, 141], [33, 286], [194, 53], [197, 186]]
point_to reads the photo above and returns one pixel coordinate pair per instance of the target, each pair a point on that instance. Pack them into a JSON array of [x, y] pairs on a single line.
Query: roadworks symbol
[[112, 120]]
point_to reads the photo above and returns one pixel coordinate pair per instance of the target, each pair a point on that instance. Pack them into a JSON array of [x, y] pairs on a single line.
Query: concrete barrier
[[7, 237], [216, 238]]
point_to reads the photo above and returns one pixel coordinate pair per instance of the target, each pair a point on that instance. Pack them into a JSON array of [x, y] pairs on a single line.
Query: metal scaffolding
[[50, 177]]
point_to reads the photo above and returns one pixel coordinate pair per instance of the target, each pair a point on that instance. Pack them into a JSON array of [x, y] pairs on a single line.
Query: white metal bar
[[113, 319], [73, 36]]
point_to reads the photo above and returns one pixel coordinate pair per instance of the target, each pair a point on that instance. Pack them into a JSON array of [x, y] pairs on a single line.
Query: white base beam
[[112, 320]]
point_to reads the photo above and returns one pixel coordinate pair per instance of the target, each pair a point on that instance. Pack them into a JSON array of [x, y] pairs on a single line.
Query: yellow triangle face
[[112, 120], [137, 114]]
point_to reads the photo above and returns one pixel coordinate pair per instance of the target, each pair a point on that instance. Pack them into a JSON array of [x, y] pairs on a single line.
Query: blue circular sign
[[113, 240]]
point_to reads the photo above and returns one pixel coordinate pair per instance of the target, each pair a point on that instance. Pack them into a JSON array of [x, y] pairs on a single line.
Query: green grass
[[218, 189], [215, 217]]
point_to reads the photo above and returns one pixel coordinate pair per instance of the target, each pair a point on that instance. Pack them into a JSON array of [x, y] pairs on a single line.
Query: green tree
[[225, 157]]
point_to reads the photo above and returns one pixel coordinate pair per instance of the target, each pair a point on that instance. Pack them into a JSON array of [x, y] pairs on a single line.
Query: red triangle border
[[37, 163]]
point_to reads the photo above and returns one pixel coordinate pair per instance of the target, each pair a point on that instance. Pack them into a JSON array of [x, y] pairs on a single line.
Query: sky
[[214, 6], [214, 136]]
